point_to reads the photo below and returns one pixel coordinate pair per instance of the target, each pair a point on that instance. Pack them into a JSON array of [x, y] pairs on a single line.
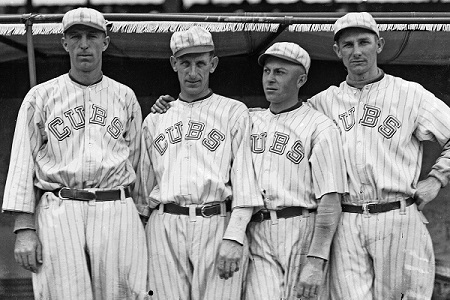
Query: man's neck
[[277, 108], [362, 80], [86, 78], [192, 98]]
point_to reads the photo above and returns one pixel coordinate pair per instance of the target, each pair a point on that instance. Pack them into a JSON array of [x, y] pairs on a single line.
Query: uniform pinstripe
[[389, 255], [298, 158], [70, 135], [197, 153]]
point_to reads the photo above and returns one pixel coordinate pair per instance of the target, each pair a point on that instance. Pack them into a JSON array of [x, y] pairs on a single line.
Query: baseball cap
[[84, 16], [194, 40], [287, 51], [359, 20]]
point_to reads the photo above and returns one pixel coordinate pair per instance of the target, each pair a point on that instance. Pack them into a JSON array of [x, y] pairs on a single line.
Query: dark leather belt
[[374, 208], [205, 211], [287, 212], [84, 195]]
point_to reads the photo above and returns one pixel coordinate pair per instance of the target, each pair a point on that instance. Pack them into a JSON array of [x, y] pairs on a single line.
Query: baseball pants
[[182, 258], [91, 250], [382, 256]]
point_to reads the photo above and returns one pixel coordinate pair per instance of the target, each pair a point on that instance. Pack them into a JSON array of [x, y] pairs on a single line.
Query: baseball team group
[[206, 199]]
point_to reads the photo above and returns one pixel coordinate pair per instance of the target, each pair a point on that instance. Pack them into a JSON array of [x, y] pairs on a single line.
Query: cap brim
[[86, 24], [195, 49], [336, 35]]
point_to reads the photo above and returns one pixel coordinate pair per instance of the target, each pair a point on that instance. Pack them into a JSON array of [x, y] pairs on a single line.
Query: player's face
[[85, 46], [281, 82], [358, 49], [193, 71]]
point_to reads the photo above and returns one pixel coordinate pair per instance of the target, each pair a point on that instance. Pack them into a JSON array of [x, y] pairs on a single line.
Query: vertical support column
[[30, 50]]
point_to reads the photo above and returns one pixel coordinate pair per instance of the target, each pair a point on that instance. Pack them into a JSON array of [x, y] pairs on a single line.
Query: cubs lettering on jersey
[[387, 255]]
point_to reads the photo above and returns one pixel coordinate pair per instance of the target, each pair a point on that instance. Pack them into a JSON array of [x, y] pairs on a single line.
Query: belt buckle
[[366, 208], [202, 211], [259, 216], [59, 193]]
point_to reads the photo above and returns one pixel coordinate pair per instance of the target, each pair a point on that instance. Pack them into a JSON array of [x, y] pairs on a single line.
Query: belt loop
[[161, 209], [122, 195], [223, 208], [192, 214], [305, 213], [403, 207], [365, 209], [91, 202], [44, 201], [273, 217]]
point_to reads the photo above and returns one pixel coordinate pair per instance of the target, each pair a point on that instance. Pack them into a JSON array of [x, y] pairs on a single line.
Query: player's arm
[[162, 104], [231, 246], [28, 248], [133, 131], [20, 195], [327, 219], [434, 124]]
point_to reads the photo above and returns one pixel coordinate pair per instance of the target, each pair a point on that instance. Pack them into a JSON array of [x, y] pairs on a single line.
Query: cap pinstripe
[[84, 16], [287, 51], [358, 20], [194, 40]]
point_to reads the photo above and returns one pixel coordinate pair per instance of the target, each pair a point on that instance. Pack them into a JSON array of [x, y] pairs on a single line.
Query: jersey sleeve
[[133, 133], [146, 180], [20, 192], [243, 176], [327, 160], [433, 124]]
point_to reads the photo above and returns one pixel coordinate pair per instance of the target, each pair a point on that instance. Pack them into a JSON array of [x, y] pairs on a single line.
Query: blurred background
[[238, 76]]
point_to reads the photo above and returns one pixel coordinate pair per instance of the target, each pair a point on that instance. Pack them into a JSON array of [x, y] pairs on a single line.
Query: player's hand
[[162, 104], [28, 250], [228, 258], [311, 278], [427, 190]]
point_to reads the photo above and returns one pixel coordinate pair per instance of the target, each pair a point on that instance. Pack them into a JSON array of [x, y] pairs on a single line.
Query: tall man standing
[[76, 146], [195, 168], [382, 249]]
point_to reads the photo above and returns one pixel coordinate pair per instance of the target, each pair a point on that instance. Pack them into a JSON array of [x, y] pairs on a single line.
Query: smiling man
[[75, 151], [382, 249], [196, 170]]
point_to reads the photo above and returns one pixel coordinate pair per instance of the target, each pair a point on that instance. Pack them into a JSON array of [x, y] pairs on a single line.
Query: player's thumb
[[39, 253]]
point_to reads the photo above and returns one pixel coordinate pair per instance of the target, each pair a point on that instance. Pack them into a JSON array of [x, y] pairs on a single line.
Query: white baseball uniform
[[84, 137], [195, 154], [298, 158], [386, 255]]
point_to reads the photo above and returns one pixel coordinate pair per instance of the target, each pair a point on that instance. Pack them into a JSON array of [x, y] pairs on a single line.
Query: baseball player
[[73, 159], [382, 249], [195, 168], [300, 169]]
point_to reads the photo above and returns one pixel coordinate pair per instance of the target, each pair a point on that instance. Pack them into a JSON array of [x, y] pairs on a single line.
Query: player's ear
[[173, 63], [106, 42], [302, 80], [337, 50], [380, 44], [64, 44], [214, 63]]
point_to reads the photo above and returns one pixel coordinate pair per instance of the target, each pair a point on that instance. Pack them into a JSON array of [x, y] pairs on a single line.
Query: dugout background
[[237, 77]]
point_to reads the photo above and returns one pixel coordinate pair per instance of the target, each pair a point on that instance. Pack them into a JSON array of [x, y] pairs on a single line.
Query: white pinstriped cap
[[287, 51], [358, 20], [84, 16], [194, 40]]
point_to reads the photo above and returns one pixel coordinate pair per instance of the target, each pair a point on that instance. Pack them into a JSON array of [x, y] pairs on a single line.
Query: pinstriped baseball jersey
[[387, 255], [296, 157], [192, 153], [80, 137], [382, 127], [70, 135]]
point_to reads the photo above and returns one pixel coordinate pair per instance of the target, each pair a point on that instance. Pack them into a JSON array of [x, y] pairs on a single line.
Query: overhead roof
[[411, 38]]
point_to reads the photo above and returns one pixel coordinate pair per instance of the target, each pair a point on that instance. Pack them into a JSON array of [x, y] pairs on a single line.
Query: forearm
[[441, 169], [237, 226], [327, 220]]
